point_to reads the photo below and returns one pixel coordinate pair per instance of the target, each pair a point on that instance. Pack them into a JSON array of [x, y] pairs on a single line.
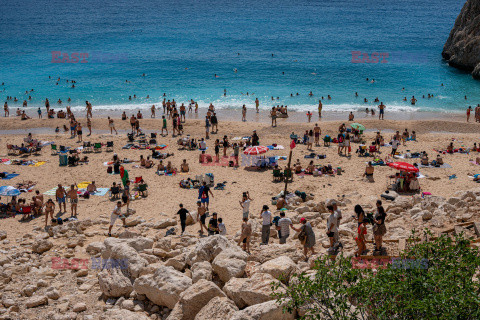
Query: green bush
[[442, 283]]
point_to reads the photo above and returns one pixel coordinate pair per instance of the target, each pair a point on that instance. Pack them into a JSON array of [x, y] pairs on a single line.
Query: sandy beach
[[165, 193]]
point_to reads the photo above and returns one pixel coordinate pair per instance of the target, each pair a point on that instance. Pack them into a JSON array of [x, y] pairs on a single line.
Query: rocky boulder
[[280, 268], [113, 283], [201, 270], [163, 287], [249, 291], [41, 245], [194, 299], [229, 264], [462, 48], [263, 311], [208, 248], [218, 308]]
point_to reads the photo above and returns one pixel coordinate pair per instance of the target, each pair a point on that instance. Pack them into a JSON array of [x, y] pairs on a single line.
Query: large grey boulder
[[219, 308], [113, 283], [164, 286], [462, 48]]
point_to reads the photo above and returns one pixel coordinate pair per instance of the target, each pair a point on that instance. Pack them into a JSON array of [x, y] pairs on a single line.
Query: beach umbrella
[[358, 126], [9, 191], [403, 166], [255, 150]]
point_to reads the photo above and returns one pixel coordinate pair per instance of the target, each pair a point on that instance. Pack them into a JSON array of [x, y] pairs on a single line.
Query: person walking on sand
[[309, 116], [382, 111], [469, 110], [308, 235], [153, 111], [283, 226], [244, 113], [61, 195], [207, 128], [72, 194], [111, 125], [257, 104], [201, 216], [79, 132], [164, 125], [116, 214], [245, 235], [183, 217], [203, 194], [320, 107], [5, 108]]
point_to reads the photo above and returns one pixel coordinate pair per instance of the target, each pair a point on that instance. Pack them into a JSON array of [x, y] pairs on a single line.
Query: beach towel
[[101, 192], [51, 192], [161, 147], [38, 164], [83, 185], [9, 176]]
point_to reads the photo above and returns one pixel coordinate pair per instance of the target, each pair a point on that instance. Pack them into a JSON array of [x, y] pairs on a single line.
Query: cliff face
[[462, 49]]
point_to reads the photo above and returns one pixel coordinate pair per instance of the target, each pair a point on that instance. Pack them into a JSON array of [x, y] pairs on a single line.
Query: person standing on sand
[[72, 194], [132, 123], [89, 126], [153, 111], [207, 127], [317, 131], [111, 125], [244, 113], [320, 107], [469, 110], [257, 104], [309, 116], [61, 194], [214, 121], [266, 217], [382, 111], [116, 214], [79, 132], [49, 209], [273, 114], [203, 194], [164, 125], [245, 204], [5, 108], [201, 216]]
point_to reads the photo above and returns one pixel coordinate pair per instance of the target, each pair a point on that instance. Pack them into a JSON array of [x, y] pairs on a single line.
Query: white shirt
[[284, 224], [246, 206], [202, 144], [117, 211], [395, 144], [267, 216], [332, 220], [222, 229], [338, 216]]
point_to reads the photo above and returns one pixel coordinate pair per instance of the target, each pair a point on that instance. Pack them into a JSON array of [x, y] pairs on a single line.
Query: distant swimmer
[[273, 98], [310, 94], [405, 99], [403, 89], [365, 100], [224, 92], [373, 81], [356, 94], [465, 97], [143, 75], [283, 72], [329, 98], [413, 100], [322, 98], [367, 79], [376, 99], [69, 99], [59, 101], [215, 75], [235, 70], [272, 54], [148, 96], [441, 85], [298, 94], [129, 97]]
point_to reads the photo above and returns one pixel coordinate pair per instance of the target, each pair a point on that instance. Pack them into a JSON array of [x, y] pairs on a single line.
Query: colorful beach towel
[[9, 176], [51, 192]]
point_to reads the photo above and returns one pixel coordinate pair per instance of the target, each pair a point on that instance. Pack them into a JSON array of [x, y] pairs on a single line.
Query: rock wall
[[462, 49]]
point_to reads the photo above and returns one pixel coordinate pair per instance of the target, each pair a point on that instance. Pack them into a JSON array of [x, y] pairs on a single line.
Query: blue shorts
[[204, 200], [182, 113], [61, 200], [382, 111]]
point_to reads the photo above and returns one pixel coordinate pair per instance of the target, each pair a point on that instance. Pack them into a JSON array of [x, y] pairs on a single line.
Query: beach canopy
[[358, 126], [255, 150], [9, 191], [403, 166]]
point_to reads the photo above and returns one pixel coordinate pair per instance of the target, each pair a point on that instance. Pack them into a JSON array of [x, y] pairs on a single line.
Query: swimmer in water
[[310, 95], [356, 94], [413, 100]]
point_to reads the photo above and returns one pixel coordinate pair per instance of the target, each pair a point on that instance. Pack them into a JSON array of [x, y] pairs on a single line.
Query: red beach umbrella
[[403, 166], [255, 150]]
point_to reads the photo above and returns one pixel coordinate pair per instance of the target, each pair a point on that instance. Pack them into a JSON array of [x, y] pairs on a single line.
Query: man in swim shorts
[[72, 194], [61, 194]]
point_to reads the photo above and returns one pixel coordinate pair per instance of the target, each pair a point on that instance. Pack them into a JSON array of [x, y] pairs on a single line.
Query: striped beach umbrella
[[255, 150]]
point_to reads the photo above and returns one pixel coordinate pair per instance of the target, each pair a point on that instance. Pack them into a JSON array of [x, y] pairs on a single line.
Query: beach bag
[[109, 169], [63, 159], [302, 236]]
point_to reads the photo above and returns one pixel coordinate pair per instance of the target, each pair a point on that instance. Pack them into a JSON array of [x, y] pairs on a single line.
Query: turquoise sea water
[[180, 45]]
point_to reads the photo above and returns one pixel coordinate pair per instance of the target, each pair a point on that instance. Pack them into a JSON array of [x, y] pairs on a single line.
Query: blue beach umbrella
[[9, 191]]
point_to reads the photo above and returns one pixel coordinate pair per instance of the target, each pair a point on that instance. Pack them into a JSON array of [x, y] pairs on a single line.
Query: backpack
[[109, 169]]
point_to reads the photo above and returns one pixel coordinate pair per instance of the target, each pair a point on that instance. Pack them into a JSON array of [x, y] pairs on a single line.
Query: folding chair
[[109, 147], [277, 175], [87, 147], [97, 147], [372, 149], [12, 151], [26, 211]]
